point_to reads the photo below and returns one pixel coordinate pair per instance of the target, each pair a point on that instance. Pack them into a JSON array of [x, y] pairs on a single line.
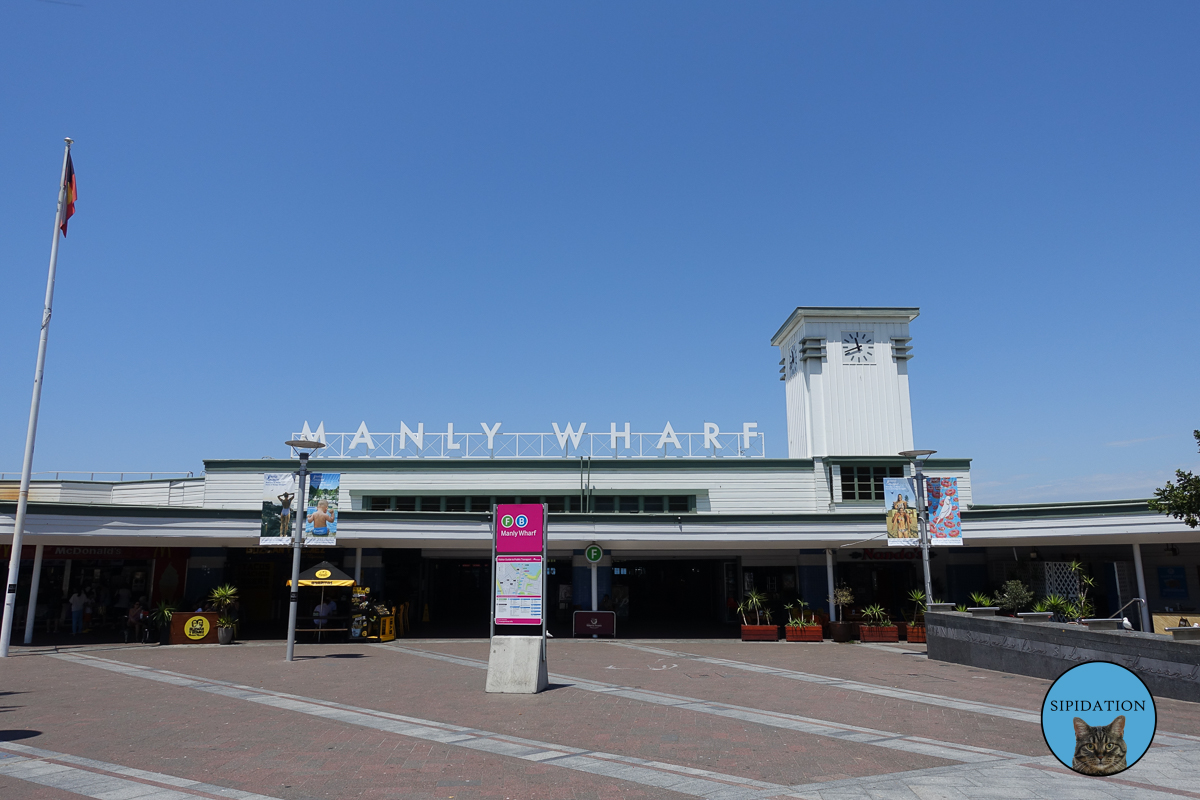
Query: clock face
[[858, 347]]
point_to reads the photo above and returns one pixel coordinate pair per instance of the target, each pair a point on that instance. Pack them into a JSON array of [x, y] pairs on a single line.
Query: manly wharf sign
[[564, 442]]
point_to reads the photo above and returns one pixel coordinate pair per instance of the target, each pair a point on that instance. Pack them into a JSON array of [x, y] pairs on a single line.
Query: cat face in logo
[[1100, 749]]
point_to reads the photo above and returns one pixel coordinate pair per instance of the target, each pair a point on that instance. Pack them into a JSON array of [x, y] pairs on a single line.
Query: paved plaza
[[630, 719]]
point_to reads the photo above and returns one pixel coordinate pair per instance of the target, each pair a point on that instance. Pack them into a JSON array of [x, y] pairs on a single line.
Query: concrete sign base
[[516, 666]]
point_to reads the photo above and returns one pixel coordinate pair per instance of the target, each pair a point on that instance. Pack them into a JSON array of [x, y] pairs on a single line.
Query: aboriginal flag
[[72, 195]]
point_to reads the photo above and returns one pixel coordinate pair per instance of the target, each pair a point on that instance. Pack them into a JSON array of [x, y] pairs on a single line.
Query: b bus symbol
[[522, 520]]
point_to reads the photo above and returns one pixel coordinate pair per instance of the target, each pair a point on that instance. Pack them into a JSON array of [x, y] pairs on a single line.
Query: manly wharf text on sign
[[520, 528]]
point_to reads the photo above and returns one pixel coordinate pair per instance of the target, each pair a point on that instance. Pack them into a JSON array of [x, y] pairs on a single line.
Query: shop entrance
[[670, 598], [457, 595], [886, 583]]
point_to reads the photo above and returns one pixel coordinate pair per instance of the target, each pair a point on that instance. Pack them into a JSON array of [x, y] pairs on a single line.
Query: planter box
[[809, 633], [842, 631], [198, 627], [916, 634], [760, 633], [878, 633]]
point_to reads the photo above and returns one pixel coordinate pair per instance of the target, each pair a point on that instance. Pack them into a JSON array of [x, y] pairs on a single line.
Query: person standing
[[77, 601]]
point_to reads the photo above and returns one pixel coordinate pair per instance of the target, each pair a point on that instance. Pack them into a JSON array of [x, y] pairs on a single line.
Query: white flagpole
[[14, 561]]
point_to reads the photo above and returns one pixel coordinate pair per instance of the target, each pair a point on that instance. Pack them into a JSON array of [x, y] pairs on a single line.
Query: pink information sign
[[520, 528]]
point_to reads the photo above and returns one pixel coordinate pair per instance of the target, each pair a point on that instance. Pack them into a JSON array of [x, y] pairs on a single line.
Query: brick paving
[[285, 752]]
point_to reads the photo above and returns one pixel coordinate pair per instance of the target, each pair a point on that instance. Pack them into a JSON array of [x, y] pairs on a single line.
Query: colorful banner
[[945, 524], [900, 502], [520, 528], [278, 508], [519, 590], [320, 521]]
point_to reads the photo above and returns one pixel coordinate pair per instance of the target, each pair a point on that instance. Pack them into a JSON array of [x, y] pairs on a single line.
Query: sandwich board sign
[[517, 664]]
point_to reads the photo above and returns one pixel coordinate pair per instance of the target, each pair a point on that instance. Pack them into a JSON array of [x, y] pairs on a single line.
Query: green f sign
[[593, 553]]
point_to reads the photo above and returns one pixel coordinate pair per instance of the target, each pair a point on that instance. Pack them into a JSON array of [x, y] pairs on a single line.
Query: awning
[[324, 574]]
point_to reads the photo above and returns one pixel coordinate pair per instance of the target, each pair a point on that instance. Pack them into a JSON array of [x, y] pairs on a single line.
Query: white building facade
[[689, 520]]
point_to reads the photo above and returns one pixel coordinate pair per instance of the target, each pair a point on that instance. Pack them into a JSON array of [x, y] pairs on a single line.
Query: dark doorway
[[886, 584], [670, 598], [458, 596]]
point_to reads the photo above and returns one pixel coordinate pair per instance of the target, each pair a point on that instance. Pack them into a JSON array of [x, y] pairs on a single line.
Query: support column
[[829, 580], [33, 592], [358, 566], [595, 590], [1141, 579]]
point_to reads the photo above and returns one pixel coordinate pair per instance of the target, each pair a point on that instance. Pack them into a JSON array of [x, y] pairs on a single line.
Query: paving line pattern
[[1169, 769], [950, 751], [104, 781], [1021, 715], [657, 774]]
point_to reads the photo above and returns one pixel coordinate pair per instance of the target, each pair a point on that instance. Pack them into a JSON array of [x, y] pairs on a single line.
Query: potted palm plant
[[222, 599], [916, 626], [842, 631], [160, 615], [880, 627], [800, 627], [757, 632]]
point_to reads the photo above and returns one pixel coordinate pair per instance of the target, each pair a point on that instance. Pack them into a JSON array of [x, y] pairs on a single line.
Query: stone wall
[[1048, 649]]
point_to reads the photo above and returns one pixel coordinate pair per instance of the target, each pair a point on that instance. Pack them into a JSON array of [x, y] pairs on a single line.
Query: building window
[[860, 482], [406, 504], [456, 504], [629, 505], [680, 504], [604, 505]]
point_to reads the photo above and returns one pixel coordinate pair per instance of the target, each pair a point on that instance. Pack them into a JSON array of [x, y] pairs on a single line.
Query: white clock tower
[[846, 376]]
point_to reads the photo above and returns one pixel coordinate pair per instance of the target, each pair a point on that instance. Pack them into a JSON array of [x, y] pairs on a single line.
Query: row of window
[[569, 504], [866, 483]]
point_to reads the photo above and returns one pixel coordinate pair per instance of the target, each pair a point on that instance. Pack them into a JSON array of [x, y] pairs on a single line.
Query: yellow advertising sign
[[196, 628]]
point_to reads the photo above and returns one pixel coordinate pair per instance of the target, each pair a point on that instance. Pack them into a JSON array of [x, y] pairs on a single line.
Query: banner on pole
[[278, 508], [900, 502], [945, 524], [320, 520]]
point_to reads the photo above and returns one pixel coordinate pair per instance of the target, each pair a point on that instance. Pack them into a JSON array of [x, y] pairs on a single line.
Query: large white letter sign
[[450, 443], [418, 437], [613, 435], [748, 432], [491, 432], [668, 435], [711, 432], [363, 436], [310, 436], [562, 435]]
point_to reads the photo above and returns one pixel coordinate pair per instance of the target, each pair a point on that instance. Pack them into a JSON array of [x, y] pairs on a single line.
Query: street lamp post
[[917, 457], [298, 520]]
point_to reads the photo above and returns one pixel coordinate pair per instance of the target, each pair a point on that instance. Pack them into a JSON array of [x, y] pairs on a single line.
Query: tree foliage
[[1180, 499], [1014, 596]]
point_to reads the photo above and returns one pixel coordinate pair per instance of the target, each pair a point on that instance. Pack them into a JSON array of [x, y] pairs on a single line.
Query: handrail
[[92, 475], [1127, 605]]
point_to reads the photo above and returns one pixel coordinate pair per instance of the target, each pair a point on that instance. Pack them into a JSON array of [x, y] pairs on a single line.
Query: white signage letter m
[[575, 435]]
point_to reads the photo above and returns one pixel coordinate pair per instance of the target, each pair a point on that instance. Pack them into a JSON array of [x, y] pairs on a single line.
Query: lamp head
[[916, 454], [305, 447]]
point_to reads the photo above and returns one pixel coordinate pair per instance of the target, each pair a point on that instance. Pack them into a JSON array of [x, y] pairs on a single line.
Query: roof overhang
[[803, 313]]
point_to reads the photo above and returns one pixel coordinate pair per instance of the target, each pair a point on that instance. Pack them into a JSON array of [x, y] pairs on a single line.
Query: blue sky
[[537, 213]]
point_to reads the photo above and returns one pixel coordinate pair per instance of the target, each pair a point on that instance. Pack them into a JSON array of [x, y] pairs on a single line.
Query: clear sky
[[597, 212]]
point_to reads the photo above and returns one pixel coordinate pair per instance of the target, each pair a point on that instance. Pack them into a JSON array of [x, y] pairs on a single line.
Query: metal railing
[[121, 476], [565, 444]]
